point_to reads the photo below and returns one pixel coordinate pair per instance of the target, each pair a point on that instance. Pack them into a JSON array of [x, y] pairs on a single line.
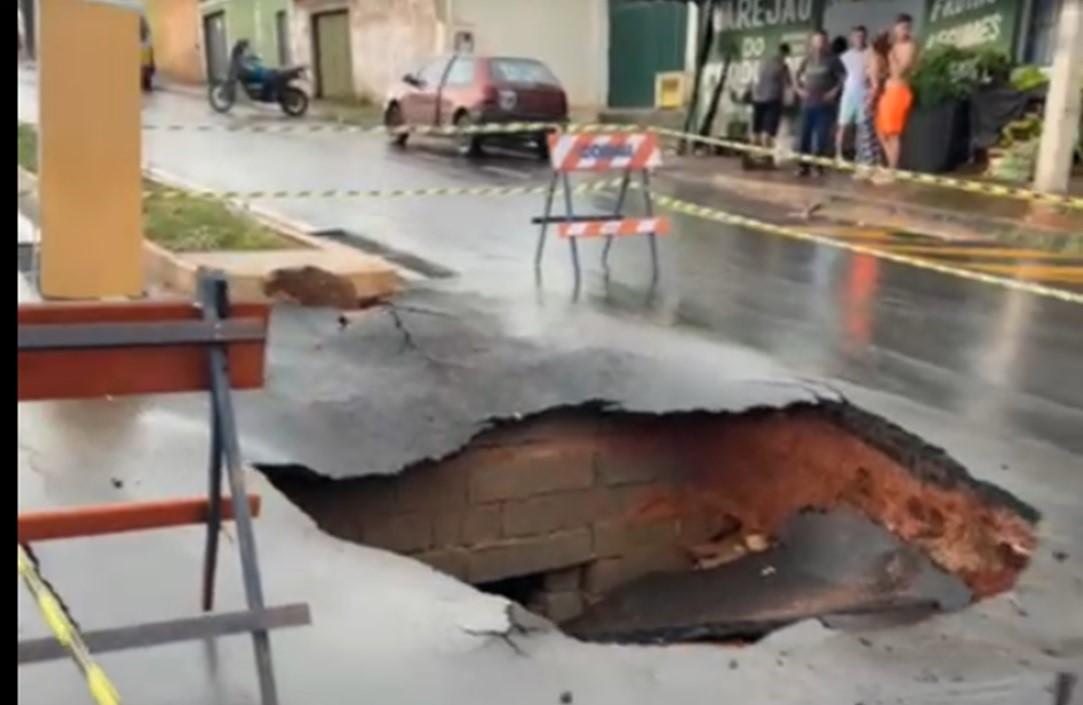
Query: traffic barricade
[[633, 154], [209, 345]]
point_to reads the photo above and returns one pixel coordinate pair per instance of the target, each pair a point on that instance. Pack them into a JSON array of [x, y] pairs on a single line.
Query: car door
[[419, 103], [457, 89]]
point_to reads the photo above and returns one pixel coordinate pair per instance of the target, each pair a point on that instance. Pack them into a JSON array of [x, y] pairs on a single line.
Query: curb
[[174, 271], [376, 280], [984, 226]]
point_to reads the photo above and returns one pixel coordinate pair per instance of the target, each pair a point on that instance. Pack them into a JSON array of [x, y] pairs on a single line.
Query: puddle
[[693, 526]]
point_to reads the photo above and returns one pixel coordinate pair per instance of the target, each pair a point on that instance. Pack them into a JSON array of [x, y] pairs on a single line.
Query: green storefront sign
[[973, 24], [751, 30]]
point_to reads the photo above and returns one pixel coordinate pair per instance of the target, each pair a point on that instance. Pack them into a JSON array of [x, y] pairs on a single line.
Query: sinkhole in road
[[646, 528]]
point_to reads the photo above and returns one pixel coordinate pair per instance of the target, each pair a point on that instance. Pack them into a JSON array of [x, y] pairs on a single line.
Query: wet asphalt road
[[989, 369], [1006, 360]]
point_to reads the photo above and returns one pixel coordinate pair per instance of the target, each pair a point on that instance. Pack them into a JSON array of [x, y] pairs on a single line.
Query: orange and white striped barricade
[[626, 152]]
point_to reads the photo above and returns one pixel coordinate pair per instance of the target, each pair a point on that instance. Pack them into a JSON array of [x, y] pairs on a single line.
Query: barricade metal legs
[[652, 237], [616, 213], [570, 215], [545, 223], [224, 431], [596, 153], [152, 349]]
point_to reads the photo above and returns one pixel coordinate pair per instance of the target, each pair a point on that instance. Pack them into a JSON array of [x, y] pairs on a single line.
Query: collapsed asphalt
[[740, 321]]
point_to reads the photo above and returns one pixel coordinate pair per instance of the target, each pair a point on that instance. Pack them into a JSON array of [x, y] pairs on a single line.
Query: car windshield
[[522, 71]]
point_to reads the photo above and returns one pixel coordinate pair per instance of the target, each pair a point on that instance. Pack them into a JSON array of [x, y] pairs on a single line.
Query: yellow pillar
[[89, 121]]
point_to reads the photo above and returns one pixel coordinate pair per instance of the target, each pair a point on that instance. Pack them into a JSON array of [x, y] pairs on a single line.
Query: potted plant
[[937, 135]]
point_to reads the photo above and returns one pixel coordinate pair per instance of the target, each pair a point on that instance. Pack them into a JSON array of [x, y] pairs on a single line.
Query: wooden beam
[[119, 518], [100, 372]]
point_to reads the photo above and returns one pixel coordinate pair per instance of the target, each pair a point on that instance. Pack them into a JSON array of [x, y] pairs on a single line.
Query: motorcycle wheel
[[221, 97], [294, 101]]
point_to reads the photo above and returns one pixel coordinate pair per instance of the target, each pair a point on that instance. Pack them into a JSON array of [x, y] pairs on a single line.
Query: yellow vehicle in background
[[146, 56]]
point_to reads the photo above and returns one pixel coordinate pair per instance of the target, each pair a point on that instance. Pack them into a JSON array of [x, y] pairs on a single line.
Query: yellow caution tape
[[382, 193], [680, 206], [490, 128], [951, 182], [174, 193], [65, 631], [970, 186]]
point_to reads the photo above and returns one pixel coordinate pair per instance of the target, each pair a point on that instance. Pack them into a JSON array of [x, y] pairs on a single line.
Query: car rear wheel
[[468, 145], [393, 120]]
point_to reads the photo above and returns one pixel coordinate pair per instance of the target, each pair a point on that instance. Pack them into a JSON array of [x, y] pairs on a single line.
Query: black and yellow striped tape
[[714, 214], [968, 185], [176, 193], [65, 631]]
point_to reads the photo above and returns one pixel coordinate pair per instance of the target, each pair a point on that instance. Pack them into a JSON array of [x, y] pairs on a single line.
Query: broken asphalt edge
[[928, 463]]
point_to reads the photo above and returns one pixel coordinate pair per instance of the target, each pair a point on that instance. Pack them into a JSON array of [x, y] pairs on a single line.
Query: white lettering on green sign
[[946, 9], [743, 15], [975, 33]]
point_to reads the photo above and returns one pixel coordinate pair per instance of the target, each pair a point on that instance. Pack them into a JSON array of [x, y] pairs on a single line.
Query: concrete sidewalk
[[837, 196]]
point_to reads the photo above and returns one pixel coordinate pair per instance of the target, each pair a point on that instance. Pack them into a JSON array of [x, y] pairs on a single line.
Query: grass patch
[[186, 223], [28, 148], [181, 222]]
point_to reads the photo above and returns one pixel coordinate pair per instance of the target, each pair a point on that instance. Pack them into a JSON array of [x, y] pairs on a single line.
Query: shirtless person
[[897, 98]]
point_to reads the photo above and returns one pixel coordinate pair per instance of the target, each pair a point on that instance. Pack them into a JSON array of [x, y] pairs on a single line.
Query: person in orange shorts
[[897, 98]]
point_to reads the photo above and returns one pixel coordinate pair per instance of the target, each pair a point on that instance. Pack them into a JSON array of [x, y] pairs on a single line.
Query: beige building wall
[[570, 36], [388, 38], [175, 31], [392, 37]]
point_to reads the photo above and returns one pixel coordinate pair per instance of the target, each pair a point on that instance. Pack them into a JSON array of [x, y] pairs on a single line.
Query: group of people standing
[[860, 85]]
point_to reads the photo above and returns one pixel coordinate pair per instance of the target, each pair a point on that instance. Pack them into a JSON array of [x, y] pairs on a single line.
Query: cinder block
[[532, 555], [439, 485], [481, 524], [364, 498], [529, 470], [561, 606], [552, 512], [604, 575], [565, 580], [447, 528], [618, 537], [405, 533]]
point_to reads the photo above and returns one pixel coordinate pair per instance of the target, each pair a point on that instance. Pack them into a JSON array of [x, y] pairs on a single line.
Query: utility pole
[[90, 172], [1063, 109], [30, 32]]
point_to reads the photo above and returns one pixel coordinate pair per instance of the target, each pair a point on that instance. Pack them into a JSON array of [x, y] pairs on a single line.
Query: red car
[[466, 90]]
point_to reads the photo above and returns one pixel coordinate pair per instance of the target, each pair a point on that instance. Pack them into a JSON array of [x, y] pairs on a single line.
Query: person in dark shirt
[[819, 82], [772, 82]]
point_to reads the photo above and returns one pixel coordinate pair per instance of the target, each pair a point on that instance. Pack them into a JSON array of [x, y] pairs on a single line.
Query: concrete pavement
[[739, 319], [388, 628]]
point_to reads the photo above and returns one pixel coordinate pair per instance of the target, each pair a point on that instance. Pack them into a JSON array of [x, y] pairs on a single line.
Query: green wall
[[253, 20], [645, 38]]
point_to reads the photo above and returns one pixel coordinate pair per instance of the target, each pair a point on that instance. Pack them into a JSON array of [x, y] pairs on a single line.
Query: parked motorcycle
[[260, 84]]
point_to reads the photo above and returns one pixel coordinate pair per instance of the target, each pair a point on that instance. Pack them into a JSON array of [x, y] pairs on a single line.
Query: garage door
[[334, 73], [214, 43], [645, 37]]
